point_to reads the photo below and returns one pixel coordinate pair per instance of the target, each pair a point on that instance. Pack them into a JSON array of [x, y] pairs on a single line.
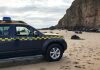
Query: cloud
[[41, 13], [14, 3]]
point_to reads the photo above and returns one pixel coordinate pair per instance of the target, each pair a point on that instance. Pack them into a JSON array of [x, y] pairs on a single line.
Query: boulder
[[75, 37]]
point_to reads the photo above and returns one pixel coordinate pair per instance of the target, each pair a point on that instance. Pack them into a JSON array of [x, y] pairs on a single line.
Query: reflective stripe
[[30, 38]]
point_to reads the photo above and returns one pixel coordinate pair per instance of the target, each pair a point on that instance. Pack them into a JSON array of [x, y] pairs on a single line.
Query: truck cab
[[19, 39]]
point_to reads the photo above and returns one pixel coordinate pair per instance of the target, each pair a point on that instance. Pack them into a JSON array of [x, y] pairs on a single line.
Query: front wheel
[[54, 52]]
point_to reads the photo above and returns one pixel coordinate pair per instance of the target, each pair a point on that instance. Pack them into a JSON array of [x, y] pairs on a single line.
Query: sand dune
[[81, 55]]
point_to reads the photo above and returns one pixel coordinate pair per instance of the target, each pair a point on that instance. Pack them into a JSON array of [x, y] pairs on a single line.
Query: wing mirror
[[36, 33]]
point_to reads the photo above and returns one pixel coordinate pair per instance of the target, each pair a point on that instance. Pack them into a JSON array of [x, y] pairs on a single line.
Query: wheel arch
[[48, 43]]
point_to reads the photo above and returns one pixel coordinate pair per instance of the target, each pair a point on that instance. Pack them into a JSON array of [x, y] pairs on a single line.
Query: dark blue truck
[[17, 40]]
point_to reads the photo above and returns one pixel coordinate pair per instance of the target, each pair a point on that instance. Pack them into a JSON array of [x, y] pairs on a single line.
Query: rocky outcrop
[[84, 14]]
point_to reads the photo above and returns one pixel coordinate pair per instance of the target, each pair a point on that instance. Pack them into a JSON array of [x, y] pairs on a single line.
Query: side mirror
[[36, 33]]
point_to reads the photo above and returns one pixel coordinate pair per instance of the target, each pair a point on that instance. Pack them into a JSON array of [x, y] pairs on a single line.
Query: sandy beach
[[81, 55]]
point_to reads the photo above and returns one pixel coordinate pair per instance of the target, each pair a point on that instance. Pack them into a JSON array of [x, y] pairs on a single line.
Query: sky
[[38, 13]]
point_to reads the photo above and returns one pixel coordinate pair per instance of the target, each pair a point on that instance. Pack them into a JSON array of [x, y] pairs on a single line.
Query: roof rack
[[7, 20]]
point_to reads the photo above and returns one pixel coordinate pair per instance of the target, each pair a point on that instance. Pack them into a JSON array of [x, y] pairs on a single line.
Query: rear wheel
[[54, 52]]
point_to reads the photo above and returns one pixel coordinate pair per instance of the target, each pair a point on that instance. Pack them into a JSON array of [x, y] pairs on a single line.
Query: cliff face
[[82, 14]]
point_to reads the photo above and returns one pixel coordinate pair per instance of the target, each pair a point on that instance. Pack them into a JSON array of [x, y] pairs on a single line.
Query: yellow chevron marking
[[3, 40], [30, 38]]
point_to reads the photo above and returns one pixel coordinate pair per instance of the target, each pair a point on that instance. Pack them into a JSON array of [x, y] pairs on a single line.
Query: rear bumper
[[64, 45]]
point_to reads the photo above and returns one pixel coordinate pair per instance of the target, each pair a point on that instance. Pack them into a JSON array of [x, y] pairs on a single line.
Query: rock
[[44, 32], [78, 66], [82, 15], [78, 32], [76, 62], [75, 37]]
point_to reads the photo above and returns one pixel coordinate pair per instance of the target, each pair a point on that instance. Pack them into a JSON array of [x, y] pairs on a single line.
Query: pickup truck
[[17, 40]]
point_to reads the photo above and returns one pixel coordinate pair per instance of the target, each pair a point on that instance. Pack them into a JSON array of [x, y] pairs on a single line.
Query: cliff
[[83, 14]]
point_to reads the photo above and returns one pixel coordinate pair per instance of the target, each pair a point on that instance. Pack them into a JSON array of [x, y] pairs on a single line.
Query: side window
[[22, 31], [4, 30]]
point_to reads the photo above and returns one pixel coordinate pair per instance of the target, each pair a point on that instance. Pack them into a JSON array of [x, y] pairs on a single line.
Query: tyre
[[54, 52]]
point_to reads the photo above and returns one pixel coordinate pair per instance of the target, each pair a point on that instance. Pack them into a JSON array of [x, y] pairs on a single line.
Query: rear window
[[4, 30]]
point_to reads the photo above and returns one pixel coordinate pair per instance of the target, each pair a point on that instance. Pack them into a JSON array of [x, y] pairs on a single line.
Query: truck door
[[25, 42], [6, 42]]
